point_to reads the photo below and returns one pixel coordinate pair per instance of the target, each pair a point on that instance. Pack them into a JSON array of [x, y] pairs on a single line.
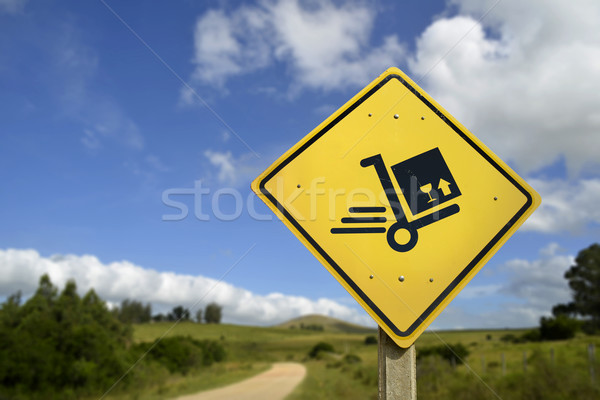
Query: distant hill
[[328, 324]]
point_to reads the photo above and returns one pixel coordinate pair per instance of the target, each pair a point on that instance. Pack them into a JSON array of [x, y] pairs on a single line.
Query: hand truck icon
[[418, 173]]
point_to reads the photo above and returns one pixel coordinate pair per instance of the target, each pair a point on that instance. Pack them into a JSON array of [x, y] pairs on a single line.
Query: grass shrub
[[455, 354], [180, 354], [565, 378], [352, 359], [321, 347], [371, 339]]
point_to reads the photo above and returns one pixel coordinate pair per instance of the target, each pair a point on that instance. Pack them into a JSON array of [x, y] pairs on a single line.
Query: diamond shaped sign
[[398, 201]]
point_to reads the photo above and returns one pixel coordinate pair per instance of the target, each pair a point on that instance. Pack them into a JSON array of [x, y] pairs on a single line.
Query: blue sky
[[109, 108]]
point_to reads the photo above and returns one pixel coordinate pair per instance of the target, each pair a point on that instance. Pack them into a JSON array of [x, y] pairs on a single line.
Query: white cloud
[[323, 45], [225, 136], [147, 171], [224, 163], [540, 283], [329, 47], [566, 206], [511, 316], [12, 6], [475, 292], [156, 163], [227, 46], [119, 280], [106, 121], [90, 139], [71, 76], [325, 110], [525, 79], [231, 170], [530, 292]]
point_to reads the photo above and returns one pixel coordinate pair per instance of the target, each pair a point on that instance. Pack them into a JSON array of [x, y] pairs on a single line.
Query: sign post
[[397, 370], [399, 201]]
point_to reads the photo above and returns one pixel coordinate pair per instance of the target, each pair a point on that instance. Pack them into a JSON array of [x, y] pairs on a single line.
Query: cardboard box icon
[[426, 181]]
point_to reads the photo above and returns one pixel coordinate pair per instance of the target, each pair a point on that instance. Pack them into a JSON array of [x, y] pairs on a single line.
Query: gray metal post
[[397, 370]]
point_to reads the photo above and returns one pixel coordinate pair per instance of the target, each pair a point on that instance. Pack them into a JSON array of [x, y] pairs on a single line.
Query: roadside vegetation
[[63, 346], [344, 365], [58, 345]]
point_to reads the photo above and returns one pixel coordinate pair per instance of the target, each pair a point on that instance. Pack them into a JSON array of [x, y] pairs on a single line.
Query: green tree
[[199, 316], [179, 313], [213, 313], [584, 281], [558, 328], [160, 318], [9, 312], [56, 344], [134, 312]]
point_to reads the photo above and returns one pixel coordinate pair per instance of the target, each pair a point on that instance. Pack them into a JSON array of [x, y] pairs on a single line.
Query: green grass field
[[494, 368]]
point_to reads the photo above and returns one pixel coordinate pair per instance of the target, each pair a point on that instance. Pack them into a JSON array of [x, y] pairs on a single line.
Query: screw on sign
[[434, 202]]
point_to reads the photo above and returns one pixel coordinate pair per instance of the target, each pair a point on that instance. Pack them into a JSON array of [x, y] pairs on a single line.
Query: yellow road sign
[[399, 202]]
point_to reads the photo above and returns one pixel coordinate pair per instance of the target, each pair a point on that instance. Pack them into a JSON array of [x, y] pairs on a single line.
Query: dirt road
[[274, 384]]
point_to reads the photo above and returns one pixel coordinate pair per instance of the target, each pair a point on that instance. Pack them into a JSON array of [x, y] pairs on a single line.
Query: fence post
[[397, 370], [503, 364], [592, 361], [483, 364]]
